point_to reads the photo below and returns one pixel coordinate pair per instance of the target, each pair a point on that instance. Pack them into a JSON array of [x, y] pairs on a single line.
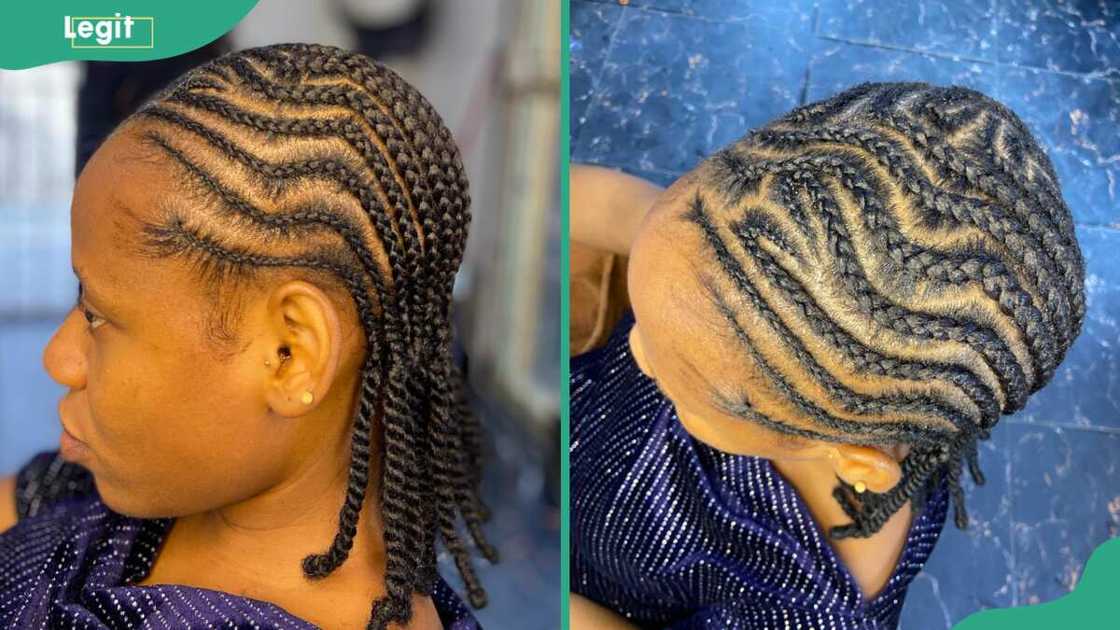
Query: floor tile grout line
[[918, 51], [593, 98], [1111, 227], [699, 18], [610, 49], [809, 62], [738, 21], [1104, 75], [993, 30], [1065, 425]]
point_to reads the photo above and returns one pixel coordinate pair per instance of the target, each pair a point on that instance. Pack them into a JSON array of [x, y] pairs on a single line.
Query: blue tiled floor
[[658, 84]]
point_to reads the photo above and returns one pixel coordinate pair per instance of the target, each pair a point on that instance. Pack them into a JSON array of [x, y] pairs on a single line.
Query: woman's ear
[[879, 471], [304, 338], [638, 351]]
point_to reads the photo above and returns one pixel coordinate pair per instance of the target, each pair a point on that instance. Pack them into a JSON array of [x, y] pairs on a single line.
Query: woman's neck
[[255, 548], [872, 560], [270, 551]]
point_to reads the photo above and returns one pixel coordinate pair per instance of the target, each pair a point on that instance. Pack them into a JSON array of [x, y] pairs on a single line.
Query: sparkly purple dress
[[70, 561], [674, 534]]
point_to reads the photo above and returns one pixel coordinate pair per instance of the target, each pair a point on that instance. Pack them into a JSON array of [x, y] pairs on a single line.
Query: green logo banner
[[1092, 604], [45, 32]]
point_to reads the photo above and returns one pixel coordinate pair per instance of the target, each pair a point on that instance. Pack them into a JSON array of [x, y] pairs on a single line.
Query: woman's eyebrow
[[84, 290]]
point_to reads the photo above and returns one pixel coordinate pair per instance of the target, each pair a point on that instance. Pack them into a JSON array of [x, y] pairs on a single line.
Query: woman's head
[[282, 221], [153, 369], [893, 267]]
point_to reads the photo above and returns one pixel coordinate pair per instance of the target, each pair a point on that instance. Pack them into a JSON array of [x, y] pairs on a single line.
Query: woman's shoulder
[[597, 296], [612, 349], [47, 479], [609, 393]]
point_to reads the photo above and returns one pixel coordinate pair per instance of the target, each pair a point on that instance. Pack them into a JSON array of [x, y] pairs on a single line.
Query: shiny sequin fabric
[[672, 533], [69, 562]]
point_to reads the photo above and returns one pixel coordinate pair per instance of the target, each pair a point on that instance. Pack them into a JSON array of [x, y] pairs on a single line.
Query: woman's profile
[[264, 426], [783, 363]]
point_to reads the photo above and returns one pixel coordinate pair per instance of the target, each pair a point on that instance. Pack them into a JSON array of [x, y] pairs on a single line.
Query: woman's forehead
[[114, 197], [116, 190]]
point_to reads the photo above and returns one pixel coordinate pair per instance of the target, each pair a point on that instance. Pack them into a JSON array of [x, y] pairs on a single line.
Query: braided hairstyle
[[322, 162], [918, 234]]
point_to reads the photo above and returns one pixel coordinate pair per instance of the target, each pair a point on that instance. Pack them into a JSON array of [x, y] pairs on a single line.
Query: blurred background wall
[[491, 69], [659, 84]]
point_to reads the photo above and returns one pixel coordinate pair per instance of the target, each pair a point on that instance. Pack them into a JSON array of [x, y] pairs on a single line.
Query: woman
[[266, 253], [808, 333]]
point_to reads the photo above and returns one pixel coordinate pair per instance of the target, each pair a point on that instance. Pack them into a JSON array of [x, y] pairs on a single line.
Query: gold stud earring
[[307, 398], [860, 487]]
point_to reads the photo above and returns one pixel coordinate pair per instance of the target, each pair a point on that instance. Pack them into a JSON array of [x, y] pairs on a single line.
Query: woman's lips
[[70, 447]]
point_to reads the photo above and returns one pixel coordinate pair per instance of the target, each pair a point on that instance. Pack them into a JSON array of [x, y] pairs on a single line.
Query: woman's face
[[168, 427]]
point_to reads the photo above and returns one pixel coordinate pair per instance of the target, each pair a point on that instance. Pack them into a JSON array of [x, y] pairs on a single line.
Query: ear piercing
[[860, 487], [307, 397]]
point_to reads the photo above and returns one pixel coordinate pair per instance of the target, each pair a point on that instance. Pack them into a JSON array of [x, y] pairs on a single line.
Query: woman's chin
[[124, 502]]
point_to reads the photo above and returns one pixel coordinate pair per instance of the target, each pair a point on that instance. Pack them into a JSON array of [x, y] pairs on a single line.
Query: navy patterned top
[[69, 562], [675, 534]]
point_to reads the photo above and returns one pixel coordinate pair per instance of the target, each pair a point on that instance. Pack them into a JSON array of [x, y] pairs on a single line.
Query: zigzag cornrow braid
[[918, 262], [961, 173], [387, 215], [939, 222], [449, 204], [452, 183]]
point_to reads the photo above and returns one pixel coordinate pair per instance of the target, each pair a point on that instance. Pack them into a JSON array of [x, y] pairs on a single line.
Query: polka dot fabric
[[674, 534], [69, 562]]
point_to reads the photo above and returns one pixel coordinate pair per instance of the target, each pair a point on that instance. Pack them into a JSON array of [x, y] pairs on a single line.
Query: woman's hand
[[607, 207], [584, 614]]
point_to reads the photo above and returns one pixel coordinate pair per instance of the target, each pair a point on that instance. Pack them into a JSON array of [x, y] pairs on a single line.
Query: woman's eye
[[94, 321]]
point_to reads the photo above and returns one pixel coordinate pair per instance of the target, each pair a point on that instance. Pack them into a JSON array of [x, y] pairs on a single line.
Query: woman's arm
[[7, 503], [585, 614], [607, 206]]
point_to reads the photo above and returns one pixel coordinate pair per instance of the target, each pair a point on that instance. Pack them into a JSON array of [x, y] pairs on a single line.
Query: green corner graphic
[[125, 30], [1090, 606]]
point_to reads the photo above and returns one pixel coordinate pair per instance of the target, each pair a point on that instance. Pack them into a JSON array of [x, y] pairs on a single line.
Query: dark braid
[[358, 136], [933, 215]]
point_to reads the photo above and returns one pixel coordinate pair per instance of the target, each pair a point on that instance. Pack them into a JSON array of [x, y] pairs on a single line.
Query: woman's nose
[[65, 355]]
